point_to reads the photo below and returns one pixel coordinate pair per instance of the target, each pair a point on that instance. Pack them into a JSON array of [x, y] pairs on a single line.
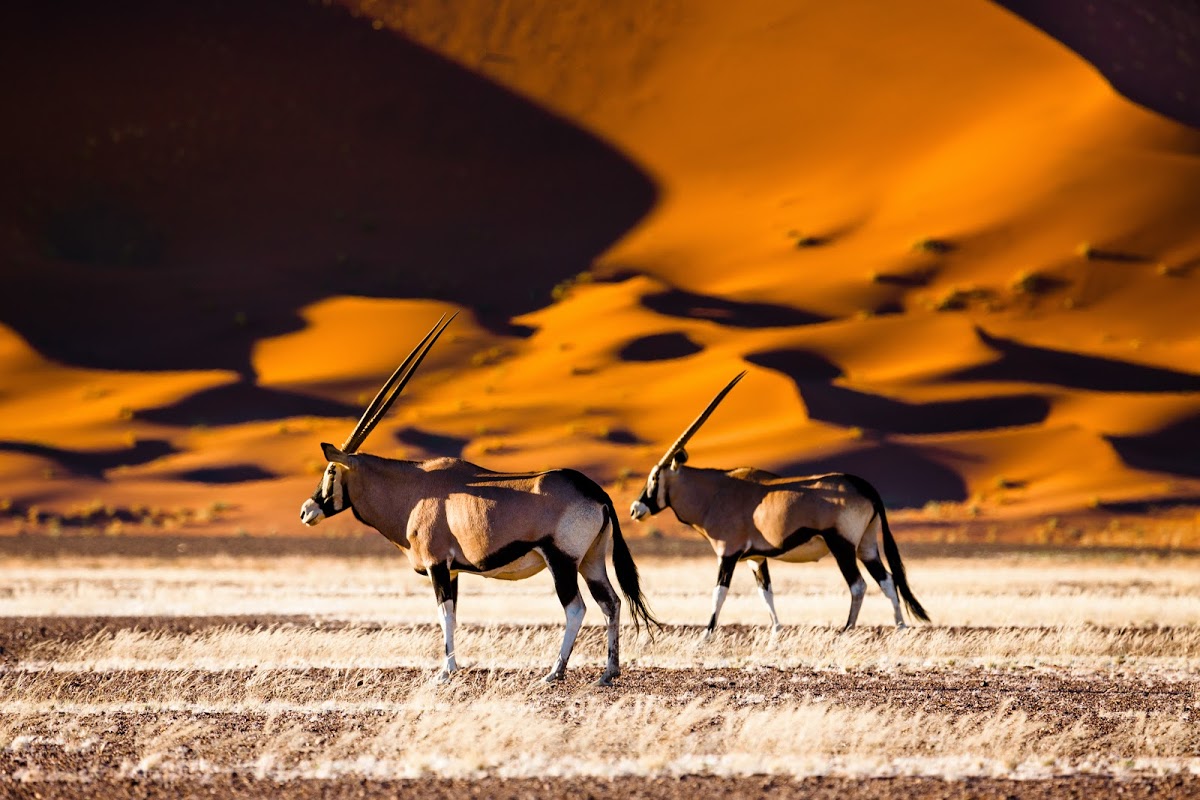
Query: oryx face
[[329, 498], [653, 498]]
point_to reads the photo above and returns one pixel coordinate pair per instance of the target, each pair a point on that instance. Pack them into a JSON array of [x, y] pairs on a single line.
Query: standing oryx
[[752, 515], [449, 516]]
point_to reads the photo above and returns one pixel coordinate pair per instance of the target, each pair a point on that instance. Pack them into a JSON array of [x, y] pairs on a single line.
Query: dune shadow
[[813, 375], [797, 363], [1159, 40], [1171, 449], [905, 476], [659, 347], [234, 473], [182, 178], [1029, 364], [94, 463], [240, 402], [841, 406], [689, 305], [432, 445]]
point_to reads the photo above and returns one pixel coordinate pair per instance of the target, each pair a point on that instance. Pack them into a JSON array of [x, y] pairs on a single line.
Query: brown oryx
[[450, 516], [752, 515]]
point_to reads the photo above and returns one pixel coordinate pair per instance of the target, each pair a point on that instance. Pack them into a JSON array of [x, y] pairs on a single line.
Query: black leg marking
[[606, 598], [444, 588], [725, 570], [847, 560], [763, 576], [565, 572], [724, 577], [876, 569]]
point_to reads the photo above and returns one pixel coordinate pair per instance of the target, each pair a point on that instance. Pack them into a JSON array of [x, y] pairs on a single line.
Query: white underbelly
[[529, 564], [812, 550]]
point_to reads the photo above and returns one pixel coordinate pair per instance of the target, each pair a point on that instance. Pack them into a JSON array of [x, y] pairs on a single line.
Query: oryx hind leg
[[868, 551], [565, 572], [847, 561], [762, 575], [595, 574], [445, 589]]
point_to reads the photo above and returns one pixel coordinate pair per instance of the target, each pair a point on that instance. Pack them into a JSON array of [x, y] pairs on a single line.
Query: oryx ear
[[680, 457], [333, 455]]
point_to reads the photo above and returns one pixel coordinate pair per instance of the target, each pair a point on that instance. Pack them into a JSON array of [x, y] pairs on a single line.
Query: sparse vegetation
[[1033, 282], [934, 246], [961, 298], [563, 289], [339, 687]]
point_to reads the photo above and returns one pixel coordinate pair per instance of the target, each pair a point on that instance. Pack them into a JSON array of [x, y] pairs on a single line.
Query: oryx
[[751, 515], [449, 516]]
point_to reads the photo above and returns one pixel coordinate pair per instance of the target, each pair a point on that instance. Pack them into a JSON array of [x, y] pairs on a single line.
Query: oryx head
[[654, 497], [331, 495]]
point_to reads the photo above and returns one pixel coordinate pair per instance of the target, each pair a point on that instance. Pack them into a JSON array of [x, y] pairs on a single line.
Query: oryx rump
[[752, 515], [450, 516]]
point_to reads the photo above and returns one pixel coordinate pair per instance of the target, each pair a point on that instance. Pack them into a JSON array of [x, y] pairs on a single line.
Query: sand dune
[[953, 259]]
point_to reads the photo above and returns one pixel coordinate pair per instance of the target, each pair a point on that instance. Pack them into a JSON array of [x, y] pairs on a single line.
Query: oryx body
[[752, 515], [450, 516]]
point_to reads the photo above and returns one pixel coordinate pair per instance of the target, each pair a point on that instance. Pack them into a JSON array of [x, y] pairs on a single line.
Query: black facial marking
[[649, 497]]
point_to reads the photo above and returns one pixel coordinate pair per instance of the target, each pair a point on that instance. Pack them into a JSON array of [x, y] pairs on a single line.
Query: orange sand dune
[[950, 256]]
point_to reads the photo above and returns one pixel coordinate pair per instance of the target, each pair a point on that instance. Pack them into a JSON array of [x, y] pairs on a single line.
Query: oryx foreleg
[[445, 589], [847, 561], [566, 584], [725, 566], [763, 576]]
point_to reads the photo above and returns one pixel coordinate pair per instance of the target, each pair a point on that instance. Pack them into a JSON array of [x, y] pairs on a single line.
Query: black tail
[[890, 550], [627, 576], [893, 558]]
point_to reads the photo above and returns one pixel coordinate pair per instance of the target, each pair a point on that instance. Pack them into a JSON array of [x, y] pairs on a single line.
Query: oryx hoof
[[607, 678], [705, 637], [901, 626], [443, 676], [552, 677]]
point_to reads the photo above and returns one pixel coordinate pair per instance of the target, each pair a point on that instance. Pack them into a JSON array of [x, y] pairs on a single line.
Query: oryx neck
[[694, 496]]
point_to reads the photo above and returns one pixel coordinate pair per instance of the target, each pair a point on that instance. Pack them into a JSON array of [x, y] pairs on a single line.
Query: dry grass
[[349, 692]]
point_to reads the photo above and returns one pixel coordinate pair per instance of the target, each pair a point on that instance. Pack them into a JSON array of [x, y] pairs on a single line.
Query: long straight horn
[[696, 423], [391, 389]]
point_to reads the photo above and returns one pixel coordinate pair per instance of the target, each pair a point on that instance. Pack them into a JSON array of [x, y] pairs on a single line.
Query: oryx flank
[[752, 515], [450, 516]]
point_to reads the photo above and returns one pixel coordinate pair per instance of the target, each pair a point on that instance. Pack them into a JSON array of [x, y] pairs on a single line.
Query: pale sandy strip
[[1016, 591]]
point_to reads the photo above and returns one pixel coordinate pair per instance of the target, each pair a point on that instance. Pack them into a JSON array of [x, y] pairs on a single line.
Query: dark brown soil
[[1058, 697], [1081, 787]]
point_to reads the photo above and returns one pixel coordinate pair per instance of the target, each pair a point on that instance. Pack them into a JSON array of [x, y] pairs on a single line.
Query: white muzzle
[[638, 510], [311, 513]]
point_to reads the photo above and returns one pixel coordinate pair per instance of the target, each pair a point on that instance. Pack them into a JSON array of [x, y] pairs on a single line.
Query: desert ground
[[953, 244], [1045, 674]]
